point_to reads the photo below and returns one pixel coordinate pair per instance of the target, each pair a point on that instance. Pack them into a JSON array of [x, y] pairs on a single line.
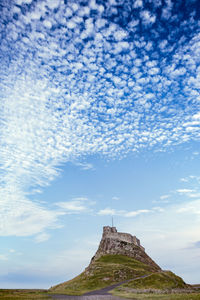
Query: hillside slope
[[164, 280], [159, 285], [120, 257], [105, 271]]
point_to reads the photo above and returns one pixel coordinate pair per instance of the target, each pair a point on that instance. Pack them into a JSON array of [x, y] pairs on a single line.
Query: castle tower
[[112, 233]]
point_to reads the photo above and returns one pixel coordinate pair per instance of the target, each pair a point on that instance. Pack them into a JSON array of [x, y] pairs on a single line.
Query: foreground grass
[[163, 285], [193, 296], [19, 294], [107, 270]]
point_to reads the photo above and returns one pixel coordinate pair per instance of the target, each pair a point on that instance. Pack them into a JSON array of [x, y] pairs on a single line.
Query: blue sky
[[99, 117]]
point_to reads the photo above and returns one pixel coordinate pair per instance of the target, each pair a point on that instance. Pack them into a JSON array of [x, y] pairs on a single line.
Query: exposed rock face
[[114, 242]]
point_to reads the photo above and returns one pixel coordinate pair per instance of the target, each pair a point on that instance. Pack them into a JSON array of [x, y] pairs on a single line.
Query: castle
[[111, 232], [120, 243]]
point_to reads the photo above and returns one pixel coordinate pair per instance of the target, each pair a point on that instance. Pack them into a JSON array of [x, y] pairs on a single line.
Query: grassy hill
[[107, 270], [152, 287], [164, 280]]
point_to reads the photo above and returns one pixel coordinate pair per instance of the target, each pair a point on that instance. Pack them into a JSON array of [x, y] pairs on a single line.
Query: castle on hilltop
[[120, 243], [111, 232]]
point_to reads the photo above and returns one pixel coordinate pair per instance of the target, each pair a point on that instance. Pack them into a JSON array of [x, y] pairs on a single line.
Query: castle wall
[[111, 232], [126, 237]]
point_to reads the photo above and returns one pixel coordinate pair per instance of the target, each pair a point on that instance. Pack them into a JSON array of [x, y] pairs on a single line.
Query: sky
[[99, 118]]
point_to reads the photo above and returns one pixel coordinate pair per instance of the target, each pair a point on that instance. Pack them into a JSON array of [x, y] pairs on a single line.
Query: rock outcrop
[[114, 242]]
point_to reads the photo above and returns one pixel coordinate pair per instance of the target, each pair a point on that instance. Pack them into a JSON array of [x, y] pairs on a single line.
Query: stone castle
[[111, 232], [119, 243]]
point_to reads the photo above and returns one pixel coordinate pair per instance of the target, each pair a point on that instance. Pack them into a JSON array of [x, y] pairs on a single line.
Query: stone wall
[[111, 232]]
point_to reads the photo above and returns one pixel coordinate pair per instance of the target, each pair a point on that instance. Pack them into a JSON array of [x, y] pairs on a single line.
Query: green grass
[[20, 294], [107, 270], [157, 286], [181, 296], [160, 280], [126, 261]]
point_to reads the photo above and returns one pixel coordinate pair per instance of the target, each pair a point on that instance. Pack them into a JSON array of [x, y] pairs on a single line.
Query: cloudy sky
[[99, 117]]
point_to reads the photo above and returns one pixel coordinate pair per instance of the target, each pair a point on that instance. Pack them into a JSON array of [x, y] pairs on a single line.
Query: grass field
[[193, 296], [42, 294], [19, 294]]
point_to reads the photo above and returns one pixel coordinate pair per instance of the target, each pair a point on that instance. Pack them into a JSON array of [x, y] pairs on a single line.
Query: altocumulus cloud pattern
[[86, 77]]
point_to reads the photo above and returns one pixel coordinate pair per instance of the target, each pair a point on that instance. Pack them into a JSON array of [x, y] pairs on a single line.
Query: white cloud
[[3, 257], [127, 214], [195, 153], [20, 2], [120, 35], [12, 251], [136, 213], [84, 199], [158, 209], [52, 4], [185, 191], [115, 198], [194, 195], [190, 193], [21, 217], [47, 24], [107, 211], [71, 206], [196, 116], [184, 179], [193, 208], [147, 17], [69, 90], [138, 3], [166, 12], [163, 197], [42, 237], [76, 205]]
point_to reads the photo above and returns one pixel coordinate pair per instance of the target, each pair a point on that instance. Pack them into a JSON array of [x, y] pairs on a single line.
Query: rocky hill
[[119, 258], [119, 243]]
